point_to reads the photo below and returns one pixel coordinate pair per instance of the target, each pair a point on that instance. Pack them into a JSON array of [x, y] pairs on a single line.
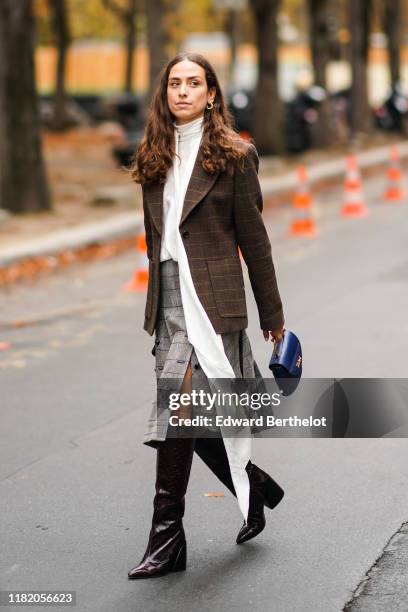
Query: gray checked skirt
[[173, 351]]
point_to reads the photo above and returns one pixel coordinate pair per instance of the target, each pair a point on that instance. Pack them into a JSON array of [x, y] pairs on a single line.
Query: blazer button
[[186, 234]]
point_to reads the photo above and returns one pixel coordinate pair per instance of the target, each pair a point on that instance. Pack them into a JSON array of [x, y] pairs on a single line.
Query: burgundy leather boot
[[255, 522], [264, 491], [166, 549], [271, 492]]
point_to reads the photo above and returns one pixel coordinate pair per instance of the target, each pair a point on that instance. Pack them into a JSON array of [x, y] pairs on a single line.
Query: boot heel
[[180, 561], [273, 494]]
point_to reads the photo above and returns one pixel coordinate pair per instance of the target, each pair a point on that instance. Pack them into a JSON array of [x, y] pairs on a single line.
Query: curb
[[119, 226], [331, 169], [126, 225], [384, 586]]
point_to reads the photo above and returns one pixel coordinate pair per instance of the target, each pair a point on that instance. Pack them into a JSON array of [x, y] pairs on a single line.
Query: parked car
[[81, 109], [300, 114], [392, 115], [241, 104], [129, 111]]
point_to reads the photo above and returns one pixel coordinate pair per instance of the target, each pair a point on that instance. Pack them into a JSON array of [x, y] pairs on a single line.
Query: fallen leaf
[[214, 495]]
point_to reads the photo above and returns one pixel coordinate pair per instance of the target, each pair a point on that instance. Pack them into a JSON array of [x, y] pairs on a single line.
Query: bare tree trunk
[[23, 184], [62, 36], [360, 13], [393, 17], [127, 17], [232, 30], [269, 118], [157, 39], [130, 46], [320, 50]]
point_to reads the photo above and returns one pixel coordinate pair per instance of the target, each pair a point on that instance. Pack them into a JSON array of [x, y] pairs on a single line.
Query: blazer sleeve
[[148, 226], [254, 243]]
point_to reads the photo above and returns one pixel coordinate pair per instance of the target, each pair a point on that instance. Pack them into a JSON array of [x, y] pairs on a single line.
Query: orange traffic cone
[[395, 191], [354, 205], [303, 224], [140, 277]]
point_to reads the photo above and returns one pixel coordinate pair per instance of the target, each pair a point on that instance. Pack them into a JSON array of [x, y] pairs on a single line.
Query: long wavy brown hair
[[222, 147]]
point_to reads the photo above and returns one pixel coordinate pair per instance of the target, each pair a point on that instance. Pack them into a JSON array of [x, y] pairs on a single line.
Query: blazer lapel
[[199, 185]]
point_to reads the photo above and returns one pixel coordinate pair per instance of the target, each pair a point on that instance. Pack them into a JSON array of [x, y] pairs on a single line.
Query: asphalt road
[[76, 483]]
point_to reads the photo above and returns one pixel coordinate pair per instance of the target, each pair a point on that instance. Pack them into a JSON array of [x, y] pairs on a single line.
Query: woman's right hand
[[275, 335]]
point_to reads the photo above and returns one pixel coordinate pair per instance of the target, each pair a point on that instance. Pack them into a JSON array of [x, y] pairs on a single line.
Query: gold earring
[[210, 107]]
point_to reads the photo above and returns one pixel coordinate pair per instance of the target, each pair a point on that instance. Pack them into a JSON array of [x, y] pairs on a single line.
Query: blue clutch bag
[[286, 362]]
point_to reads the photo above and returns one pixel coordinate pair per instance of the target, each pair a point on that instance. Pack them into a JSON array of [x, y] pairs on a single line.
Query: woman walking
[[202, 201]]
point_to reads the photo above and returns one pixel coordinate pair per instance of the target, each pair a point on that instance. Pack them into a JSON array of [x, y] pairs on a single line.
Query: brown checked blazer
[[220, 213]]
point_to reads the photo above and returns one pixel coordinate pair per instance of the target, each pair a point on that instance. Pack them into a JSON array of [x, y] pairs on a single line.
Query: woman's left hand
[[275, 335]]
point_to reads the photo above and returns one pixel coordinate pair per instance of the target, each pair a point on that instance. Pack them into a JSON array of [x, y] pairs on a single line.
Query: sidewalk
[[125, 225]]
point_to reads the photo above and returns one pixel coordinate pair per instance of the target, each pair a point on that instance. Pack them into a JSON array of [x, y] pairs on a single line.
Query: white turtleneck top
[[188, 137]]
